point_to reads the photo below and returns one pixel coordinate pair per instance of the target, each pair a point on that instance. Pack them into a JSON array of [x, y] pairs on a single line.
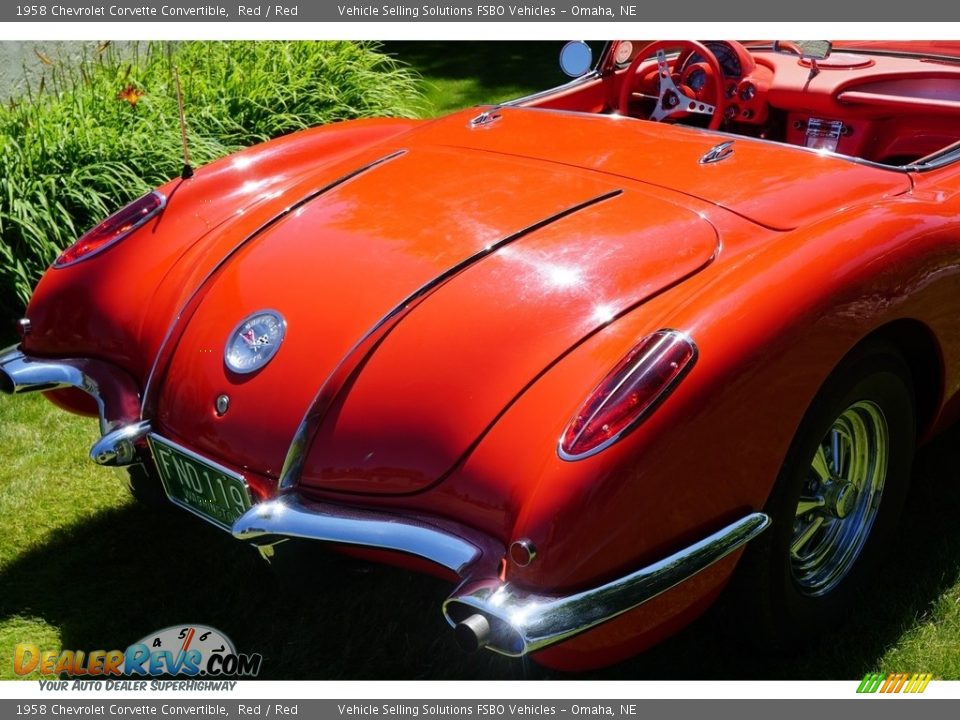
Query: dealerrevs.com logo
[[190, 650]]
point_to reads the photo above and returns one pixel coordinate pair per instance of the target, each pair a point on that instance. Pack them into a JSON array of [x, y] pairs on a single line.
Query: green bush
[[100, 131]]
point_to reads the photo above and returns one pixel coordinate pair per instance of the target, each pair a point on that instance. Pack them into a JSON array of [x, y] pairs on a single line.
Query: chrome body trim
[[540, 94], [487, 117], [189, 306], [117, 447], [717, 153], [290, 515], [348, 365], [115, 393], [519, 621]]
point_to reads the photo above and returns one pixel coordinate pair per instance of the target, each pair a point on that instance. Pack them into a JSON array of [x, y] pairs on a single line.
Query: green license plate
[[204, 488]]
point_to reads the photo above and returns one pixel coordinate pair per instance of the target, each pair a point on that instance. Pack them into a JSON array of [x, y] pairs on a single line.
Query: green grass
[[94, 134], [83, 567], [459, 75]]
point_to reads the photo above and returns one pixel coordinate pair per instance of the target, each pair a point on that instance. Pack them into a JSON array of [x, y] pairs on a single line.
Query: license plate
[[199, 485]]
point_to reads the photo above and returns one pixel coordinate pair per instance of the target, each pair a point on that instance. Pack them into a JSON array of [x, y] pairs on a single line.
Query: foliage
[[98, 132]]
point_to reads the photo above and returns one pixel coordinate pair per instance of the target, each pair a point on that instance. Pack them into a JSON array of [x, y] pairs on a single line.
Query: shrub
[[98, 132]]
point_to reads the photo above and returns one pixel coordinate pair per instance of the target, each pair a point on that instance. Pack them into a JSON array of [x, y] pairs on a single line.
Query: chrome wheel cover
[[839, 499]]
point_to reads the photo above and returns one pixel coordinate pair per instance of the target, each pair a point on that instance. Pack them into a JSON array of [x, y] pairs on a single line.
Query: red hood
[[348, 258]]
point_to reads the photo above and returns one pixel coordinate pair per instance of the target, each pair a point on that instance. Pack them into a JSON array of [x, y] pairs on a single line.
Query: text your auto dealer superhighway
[[142, 11]]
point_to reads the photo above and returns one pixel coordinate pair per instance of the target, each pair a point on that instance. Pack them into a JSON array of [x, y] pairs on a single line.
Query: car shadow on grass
[[114, 579]]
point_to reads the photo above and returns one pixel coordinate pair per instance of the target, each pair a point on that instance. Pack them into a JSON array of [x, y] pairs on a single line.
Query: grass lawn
[[83, 567], [458, 75]]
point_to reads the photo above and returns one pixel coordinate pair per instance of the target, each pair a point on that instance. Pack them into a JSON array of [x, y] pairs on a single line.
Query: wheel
[[836, 501]]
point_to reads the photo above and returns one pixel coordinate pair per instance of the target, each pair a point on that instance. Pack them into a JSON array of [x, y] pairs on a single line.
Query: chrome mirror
[[806, 49], [810, 51], [576, 58]]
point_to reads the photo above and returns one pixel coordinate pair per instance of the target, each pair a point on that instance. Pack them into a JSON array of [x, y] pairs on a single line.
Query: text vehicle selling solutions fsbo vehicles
[[591, 354]]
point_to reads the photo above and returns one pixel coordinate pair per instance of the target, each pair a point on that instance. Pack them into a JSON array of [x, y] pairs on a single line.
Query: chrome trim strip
[[486, 118], [296, 454], [717, 153], [20, 373], [290, 515], [582, 80], [519, 622], [186, 311]]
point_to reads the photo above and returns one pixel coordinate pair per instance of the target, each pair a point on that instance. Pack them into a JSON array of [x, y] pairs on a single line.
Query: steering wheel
[[674, 97]]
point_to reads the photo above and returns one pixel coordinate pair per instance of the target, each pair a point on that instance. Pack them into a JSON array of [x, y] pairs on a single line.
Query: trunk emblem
[[254, 342]]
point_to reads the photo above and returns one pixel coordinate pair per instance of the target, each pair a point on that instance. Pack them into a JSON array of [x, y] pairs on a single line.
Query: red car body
[[455, 289]]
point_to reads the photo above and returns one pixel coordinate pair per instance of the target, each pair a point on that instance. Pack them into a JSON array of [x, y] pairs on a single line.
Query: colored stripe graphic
[[870, 683], [894, 683]]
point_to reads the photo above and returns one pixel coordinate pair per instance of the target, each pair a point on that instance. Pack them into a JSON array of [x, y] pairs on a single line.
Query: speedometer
[[726, 56]]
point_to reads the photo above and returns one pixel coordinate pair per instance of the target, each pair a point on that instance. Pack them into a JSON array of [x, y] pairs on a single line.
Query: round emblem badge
[[255, 341]]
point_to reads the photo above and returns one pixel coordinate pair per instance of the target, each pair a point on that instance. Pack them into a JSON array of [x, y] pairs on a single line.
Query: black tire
[[147, 489], [791, 597]]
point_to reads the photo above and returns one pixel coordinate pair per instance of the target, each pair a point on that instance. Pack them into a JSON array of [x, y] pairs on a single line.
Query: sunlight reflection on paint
[[560, 276], [604, 313], [251, 186]]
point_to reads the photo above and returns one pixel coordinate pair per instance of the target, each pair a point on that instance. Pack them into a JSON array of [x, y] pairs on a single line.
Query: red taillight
[[114, 228], [632, 389]]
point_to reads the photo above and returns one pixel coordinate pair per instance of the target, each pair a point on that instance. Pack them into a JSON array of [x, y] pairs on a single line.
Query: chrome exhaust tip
[[515, 621], [472, 633]]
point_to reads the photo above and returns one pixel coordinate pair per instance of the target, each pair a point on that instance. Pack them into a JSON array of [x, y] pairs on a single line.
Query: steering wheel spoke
[[671, 99]]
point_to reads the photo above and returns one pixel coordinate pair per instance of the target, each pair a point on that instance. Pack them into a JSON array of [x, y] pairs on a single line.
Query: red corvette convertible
[[591, 355]]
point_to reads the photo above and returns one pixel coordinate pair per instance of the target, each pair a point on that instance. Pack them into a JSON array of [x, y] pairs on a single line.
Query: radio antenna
[[187, 171]]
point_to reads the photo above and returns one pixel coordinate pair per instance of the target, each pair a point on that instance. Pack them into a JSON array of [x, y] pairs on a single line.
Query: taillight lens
[[634, 388], [113, 229]]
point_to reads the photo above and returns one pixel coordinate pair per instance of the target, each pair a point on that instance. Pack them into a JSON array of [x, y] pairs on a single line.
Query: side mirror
[[576, 58]]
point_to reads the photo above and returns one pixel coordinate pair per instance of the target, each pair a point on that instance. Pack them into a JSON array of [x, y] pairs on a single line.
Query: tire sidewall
[[876, 373]]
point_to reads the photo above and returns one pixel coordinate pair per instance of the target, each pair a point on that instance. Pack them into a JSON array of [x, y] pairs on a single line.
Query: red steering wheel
[[675, 98]]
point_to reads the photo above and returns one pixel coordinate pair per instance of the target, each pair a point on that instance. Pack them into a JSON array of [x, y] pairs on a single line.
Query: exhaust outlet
[[514, 621], [472, 633]]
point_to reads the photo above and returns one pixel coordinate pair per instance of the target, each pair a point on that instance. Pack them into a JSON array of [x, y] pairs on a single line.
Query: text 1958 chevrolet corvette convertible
[[586, 354]]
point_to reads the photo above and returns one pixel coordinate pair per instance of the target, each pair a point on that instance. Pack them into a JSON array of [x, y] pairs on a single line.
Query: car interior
[[890, 107]]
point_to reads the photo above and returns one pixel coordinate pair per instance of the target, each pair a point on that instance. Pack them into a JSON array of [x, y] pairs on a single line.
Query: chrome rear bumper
[[292, 516], [116, 394], [513, 621], [485, 611]]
